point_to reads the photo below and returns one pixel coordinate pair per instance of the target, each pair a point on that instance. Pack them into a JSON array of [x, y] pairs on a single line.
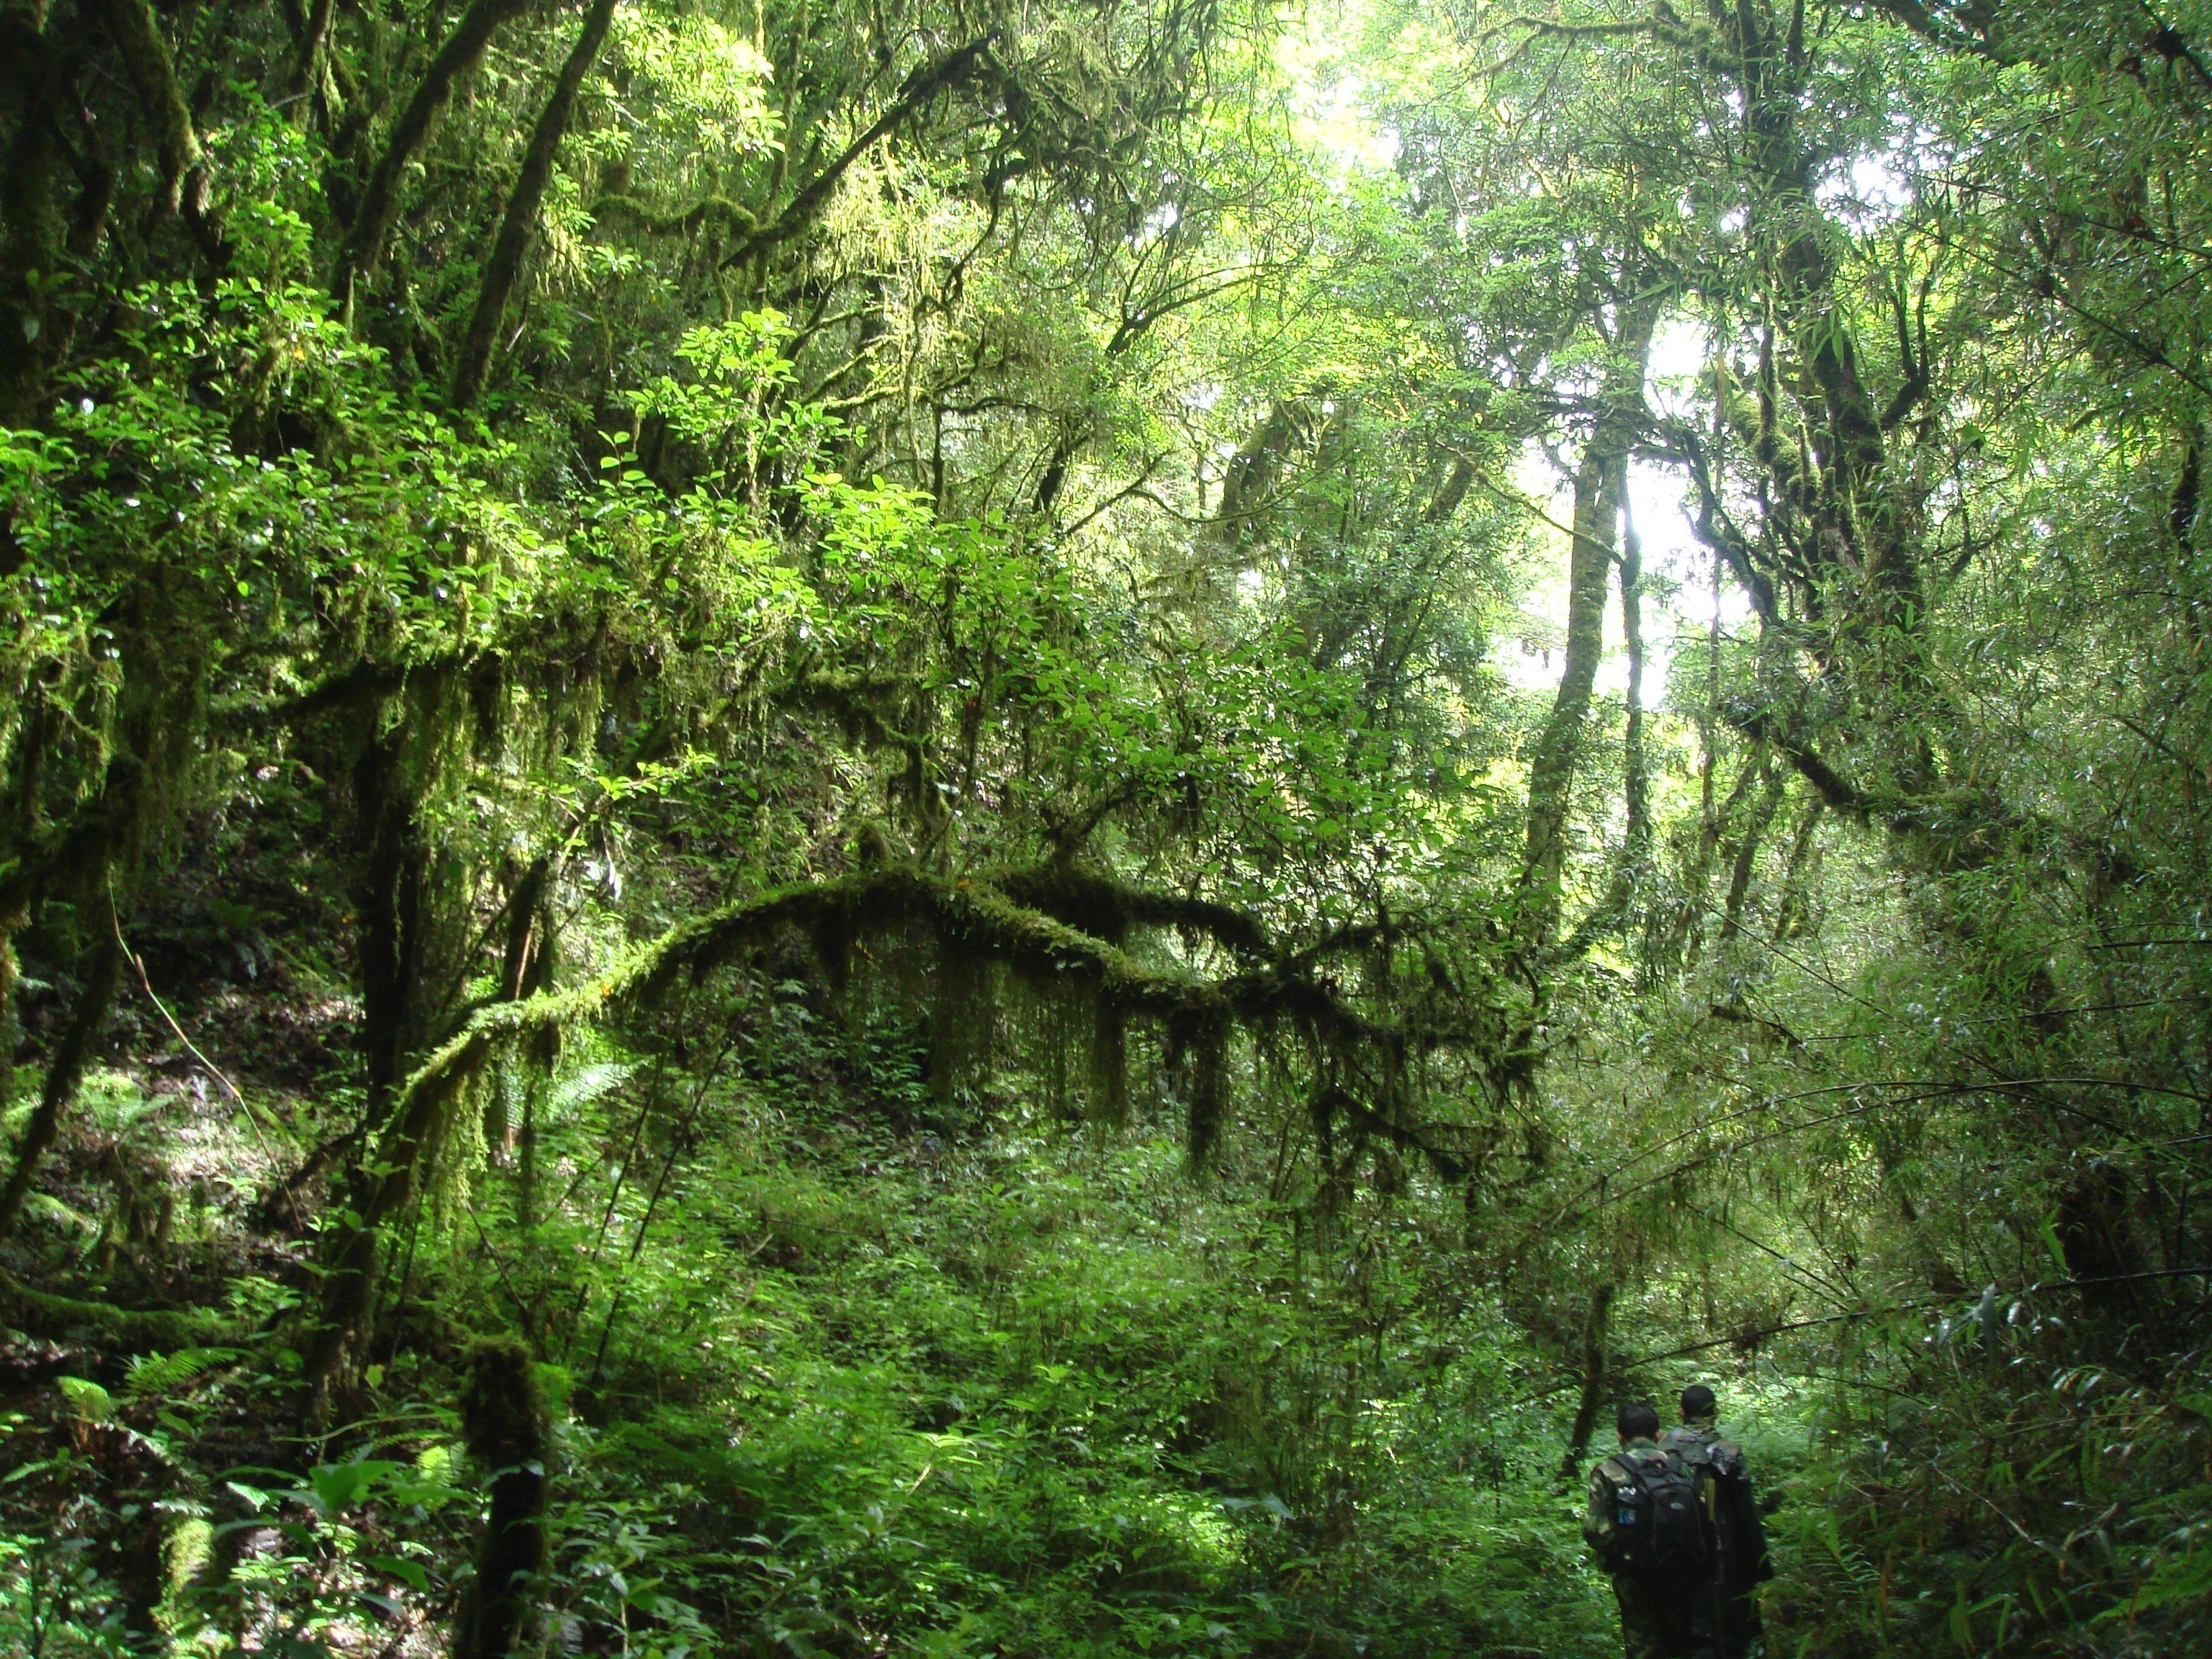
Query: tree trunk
[[1598, 481], [379, 199], [32, 89], [519, 222], [102, 962], [1593, 1392]]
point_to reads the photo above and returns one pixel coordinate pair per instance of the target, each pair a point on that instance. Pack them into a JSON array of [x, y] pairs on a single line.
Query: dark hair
[[1638, 1420], [1697, 1401]]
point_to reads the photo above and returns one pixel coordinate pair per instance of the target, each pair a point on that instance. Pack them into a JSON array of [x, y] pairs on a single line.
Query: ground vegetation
[[893, 829]]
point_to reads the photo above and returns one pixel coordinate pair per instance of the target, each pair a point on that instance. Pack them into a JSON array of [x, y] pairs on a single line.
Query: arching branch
[[920, 87]]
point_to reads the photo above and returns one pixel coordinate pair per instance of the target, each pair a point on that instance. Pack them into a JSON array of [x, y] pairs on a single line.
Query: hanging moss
[[978, 931], [963, 1018], [1207, 1086], [831, 937], [508, 1433]]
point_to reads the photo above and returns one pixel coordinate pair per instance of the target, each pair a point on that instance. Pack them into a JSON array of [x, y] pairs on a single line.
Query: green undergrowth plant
[[867, 1383]]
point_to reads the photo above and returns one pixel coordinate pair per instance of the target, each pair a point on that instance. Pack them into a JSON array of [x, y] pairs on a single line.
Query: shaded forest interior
[[940, 828]]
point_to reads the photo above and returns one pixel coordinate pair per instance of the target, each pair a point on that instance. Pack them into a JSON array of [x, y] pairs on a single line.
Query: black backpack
[[1660, 1531]]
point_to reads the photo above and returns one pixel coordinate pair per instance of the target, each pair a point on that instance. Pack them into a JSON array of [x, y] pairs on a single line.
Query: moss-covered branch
[[974, 920], [39, 1313], [379, 201], [684, 221]]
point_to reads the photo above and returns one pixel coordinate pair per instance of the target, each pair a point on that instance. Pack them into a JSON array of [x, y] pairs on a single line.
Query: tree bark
[[379, 201], [519, 224]]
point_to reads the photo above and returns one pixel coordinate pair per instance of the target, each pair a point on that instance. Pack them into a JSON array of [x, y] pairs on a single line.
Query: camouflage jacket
[[1600, 1516]]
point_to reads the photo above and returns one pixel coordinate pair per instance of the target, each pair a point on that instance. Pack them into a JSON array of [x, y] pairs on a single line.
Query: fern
[[587, 1084], [88, 1401], [155, 1374]]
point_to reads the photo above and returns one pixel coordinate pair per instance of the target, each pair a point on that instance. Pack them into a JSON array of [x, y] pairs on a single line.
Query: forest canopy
[[945, 827]]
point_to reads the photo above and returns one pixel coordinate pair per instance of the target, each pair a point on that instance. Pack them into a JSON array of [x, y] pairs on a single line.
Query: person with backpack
[[1649, 1527], [1740, 1562]]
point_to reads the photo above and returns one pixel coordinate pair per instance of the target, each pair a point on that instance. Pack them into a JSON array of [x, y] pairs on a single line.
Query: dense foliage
[[836, 829]]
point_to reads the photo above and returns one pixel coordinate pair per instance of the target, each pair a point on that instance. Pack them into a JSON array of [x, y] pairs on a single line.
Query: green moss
[[508, 1433]]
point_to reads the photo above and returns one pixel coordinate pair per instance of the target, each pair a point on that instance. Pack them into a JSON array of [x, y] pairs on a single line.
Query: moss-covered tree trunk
[[509, 1436], [1598, 480]]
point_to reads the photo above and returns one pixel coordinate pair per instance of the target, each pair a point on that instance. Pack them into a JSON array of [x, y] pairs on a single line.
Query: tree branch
[[920, 87], [379, 201]]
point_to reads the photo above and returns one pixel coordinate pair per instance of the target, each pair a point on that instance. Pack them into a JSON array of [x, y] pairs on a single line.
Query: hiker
[[1650, 1531], [1739, 1537]]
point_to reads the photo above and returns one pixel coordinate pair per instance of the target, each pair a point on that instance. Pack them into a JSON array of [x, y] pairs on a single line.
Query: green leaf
[[336, 1486], [397, 1567]]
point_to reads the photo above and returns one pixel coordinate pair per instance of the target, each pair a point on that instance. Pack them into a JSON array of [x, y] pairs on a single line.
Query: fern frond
[[587, 1084], [155, 1374]]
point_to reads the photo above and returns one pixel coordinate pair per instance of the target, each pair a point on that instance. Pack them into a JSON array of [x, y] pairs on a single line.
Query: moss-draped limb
[[379, 199], [520, 221], [39, 1313], [970, 912], [684, 221], [1093, 902], [923, 85], [154, 78], [972, 918]]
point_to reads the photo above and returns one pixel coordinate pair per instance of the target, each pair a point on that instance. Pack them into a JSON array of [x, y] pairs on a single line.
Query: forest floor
[[844, 1372]]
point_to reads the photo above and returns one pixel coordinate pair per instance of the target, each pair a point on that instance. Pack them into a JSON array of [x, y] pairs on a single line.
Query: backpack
[[1660, 1533]]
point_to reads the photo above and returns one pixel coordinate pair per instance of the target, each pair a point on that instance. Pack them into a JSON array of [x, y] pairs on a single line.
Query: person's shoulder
[[1726, 1456], [1610, 1471]]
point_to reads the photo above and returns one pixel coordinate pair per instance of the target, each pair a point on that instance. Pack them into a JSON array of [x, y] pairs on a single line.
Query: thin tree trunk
[[1688, 941], [509, 1436], [1791, 916], [1635, 769], [1558, 750], [1611, 913], [1746, 854], [519, 222], [1598, 480], [380, 200], [391, 903], [1593, 1393]]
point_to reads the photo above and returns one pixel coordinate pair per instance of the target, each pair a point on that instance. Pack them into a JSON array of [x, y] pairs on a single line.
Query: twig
[[138, 967]]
